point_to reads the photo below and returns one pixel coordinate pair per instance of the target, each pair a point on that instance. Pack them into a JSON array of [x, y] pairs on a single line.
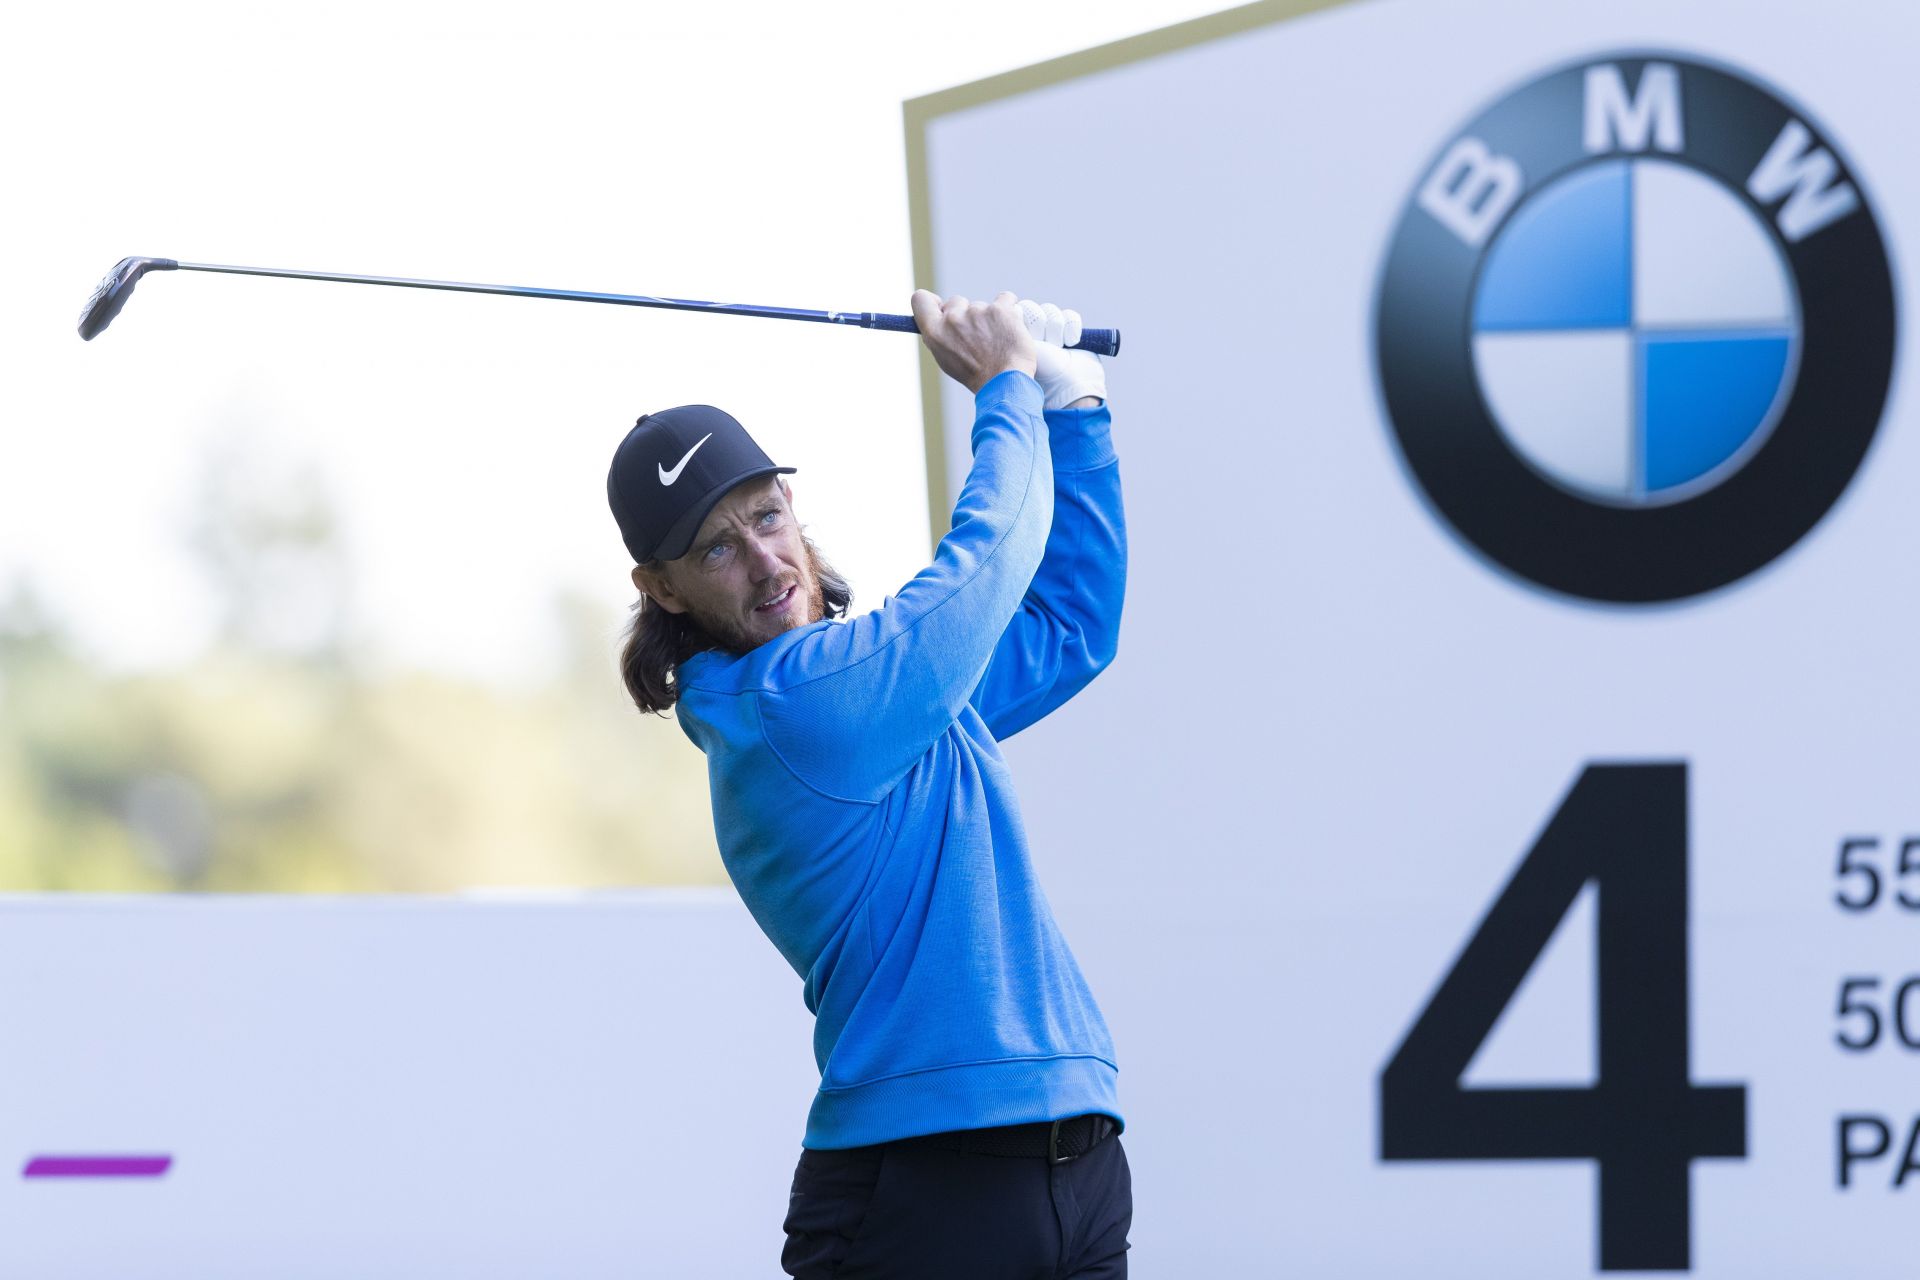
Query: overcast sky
[[744, 152]]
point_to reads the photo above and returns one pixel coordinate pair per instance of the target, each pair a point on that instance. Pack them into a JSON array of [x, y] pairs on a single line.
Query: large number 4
[[1644, 1121]]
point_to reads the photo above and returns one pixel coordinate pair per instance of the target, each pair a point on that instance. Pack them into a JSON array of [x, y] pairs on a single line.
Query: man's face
[[748, 576]]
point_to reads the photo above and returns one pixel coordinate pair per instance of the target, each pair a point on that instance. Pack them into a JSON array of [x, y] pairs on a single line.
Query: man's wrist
[[1006, 384], [1014, 366], [1079, 436]]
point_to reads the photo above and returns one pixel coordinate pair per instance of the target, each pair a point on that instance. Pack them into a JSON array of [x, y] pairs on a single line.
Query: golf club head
[[113, 292]]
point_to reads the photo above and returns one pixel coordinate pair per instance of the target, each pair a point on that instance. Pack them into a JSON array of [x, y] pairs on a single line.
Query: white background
[[743, 151]]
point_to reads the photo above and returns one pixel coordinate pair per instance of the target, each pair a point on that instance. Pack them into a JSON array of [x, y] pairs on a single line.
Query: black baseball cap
[[670, 471]]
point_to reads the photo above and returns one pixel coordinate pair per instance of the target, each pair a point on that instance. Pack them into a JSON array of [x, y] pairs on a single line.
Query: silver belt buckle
[[1053, 1146]]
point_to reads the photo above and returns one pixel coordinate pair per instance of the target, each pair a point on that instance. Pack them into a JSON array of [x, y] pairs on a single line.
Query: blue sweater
[[869, 822]]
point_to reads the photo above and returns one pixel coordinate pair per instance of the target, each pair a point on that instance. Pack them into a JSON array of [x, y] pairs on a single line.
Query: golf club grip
[[1102, 342]]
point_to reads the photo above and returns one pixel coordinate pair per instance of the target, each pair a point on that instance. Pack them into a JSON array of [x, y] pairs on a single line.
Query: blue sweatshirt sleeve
[[855, 705], [1067, 628]]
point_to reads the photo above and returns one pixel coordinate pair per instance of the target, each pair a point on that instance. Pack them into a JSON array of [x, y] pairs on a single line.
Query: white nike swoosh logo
[[668, 477]]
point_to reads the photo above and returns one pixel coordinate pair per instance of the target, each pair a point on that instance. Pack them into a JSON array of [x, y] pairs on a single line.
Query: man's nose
[[762, 558]]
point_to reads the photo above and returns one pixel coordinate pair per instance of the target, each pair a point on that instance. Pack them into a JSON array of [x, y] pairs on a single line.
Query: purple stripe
[[96, 1166]]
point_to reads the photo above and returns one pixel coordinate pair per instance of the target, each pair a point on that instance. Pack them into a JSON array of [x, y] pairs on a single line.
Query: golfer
[[967, 1120]]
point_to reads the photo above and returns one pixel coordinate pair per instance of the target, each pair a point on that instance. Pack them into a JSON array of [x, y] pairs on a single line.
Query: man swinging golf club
[[967, 1120]]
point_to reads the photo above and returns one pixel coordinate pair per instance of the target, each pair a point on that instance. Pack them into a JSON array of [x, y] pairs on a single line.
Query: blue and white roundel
[[1635, 332], [1635, 328]]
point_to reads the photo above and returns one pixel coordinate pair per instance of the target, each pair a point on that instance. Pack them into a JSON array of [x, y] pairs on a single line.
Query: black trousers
[[912, 1209]]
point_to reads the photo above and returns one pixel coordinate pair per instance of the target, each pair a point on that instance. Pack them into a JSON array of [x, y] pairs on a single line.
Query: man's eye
[[713, 552], [768, 517]]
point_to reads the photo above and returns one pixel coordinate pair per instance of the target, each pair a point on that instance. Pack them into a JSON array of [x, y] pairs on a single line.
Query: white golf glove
[[1064, 376]]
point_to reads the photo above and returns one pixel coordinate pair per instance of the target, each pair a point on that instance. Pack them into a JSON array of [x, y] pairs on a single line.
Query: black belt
[[1057, 1140]]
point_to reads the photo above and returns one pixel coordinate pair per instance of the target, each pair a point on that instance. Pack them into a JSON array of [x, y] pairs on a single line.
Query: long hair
[[659, 641]]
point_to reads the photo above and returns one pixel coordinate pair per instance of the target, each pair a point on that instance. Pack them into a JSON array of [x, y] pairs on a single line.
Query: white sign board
[[199, 1087], [1497, 846]]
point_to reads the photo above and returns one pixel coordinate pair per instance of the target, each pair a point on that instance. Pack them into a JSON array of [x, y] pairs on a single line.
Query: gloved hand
[[1064, 376]]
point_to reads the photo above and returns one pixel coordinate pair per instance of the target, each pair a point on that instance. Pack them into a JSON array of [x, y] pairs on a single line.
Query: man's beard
[[730, 633]]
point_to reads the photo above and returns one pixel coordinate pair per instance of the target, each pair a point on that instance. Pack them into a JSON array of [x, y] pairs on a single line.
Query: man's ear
[[653, 584]]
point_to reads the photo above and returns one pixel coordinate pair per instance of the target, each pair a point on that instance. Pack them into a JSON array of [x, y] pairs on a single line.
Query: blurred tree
[[57, 829], [266, 536], [281, 761]]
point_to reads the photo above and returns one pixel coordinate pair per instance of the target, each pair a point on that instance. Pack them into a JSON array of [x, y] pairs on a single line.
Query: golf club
[[113, 292]]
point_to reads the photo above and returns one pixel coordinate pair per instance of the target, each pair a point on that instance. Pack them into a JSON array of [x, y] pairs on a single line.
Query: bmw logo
[[1635, 328]]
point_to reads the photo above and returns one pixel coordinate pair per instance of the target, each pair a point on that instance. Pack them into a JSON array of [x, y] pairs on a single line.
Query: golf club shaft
[[1100, 341]]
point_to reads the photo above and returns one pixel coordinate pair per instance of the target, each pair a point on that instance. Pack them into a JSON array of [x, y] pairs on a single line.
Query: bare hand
[[974, 342]]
